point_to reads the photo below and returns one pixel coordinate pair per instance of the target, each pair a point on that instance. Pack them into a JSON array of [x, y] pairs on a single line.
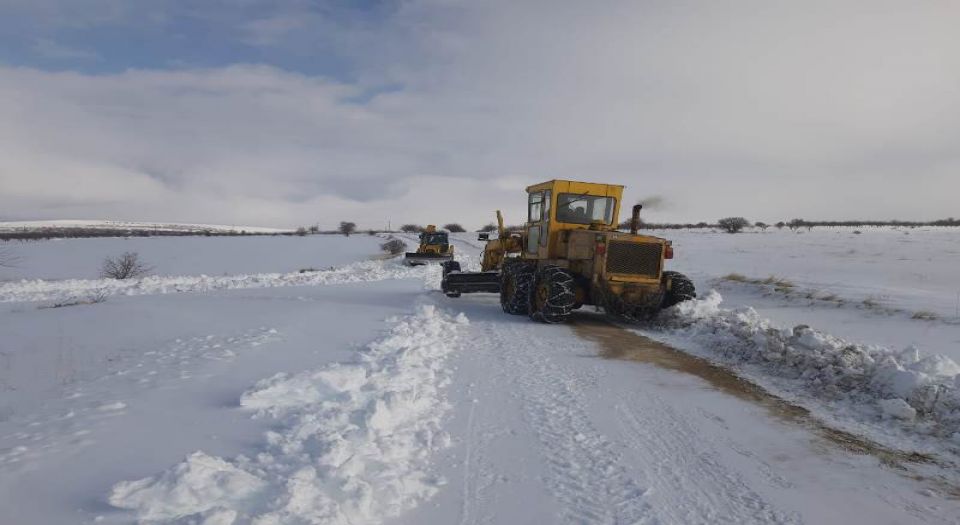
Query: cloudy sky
[[280, 113]]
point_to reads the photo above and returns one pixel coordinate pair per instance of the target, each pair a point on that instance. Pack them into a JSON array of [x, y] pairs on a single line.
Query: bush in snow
[[454, 228], [488, 228], [126, 266], [347, 228], [733, 224], [394, 246], [411, 228]]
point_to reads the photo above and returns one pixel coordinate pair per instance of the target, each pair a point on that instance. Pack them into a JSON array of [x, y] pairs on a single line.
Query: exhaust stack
[[635, 219]]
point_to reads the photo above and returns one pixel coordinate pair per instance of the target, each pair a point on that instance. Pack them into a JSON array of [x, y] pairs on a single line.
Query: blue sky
[[112, 36], [286, 113]]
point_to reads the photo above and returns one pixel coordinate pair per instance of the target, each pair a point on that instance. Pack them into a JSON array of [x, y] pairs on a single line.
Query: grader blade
[[419, 259], [471, 282]]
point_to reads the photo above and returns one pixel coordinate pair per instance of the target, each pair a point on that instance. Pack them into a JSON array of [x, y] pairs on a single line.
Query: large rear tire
[[516, 282], [554, 295], [681, 289]]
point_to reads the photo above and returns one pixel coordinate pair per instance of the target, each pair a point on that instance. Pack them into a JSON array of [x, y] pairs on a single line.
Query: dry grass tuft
[[736, 277]]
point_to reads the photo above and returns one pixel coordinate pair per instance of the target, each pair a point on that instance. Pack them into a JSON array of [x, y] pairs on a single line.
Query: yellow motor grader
[[569, 254], [434, 247]]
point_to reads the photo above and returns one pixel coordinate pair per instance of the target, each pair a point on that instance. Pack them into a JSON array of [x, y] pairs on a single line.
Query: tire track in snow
[[584, 471], [688, 482]]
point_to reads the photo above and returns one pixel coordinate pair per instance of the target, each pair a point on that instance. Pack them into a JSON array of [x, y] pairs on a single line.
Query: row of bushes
[[728, 224], [30, 234], [737, 224]]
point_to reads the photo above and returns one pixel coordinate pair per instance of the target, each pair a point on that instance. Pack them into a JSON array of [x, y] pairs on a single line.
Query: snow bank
[[82, 289], [890, 383], [353, 442], [202, 486]]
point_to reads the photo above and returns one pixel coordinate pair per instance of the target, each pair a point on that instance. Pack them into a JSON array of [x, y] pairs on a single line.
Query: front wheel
[[554, 295], [516, 280], [680, 289]]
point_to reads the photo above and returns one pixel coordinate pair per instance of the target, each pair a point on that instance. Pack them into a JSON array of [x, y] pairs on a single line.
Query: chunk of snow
[[936, 365], [708, 306], [201, 483], [897, 408]]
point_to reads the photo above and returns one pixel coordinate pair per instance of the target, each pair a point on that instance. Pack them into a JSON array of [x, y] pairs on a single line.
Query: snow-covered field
[[190, 256], [230, 388]]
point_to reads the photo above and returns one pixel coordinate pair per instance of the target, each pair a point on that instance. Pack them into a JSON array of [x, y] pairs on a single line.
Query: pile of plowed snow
[[923, 394], [353, 442], [84, 289]]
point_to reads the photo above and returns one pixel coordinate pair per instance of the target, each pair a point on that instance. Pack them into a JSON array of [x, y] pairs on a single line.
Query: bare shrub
[[454, 228], [314, 228], [126, 266], [411, 228], [736, 277], [871, 302], [301, 231], [346, 228], [488, 228], [733, 224], [394, 246]]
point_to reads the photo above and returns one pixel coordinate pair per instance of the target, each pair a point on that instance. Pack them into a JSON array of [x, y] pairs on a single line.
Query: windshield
[[584, 209], [433, 238]]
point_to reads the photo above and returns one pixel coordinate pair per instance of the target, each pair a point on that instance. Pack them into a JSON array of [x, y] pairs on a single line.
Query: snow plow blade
[[416, 259], [470, 282]]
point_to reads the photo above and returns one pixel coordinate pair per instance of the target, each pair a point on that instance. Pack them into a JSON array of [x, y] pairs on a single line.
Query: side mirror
[[483, 236]]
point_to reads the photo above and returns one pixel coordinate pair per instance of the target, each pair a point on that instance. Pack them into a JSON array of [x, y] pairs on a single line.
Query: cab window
[[584, 209], [536, 207]]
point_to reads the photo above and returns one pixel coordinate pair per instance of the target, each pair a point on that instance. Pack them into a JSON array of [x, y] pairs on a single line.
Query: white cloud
[[770, 110]]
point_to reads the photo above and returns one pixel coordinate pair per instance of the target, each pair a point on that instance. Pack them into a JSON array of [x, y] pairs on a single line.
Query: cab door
[[538, 224]]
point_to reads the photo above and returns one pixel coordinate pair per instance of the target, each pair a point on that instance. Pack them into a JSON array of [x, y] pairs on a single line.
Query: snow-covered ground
[[360, 394]]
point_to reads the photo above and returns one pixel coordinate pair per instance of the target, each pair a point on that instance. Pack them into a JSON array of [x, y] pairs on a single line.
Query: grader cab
[[569, 254]]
